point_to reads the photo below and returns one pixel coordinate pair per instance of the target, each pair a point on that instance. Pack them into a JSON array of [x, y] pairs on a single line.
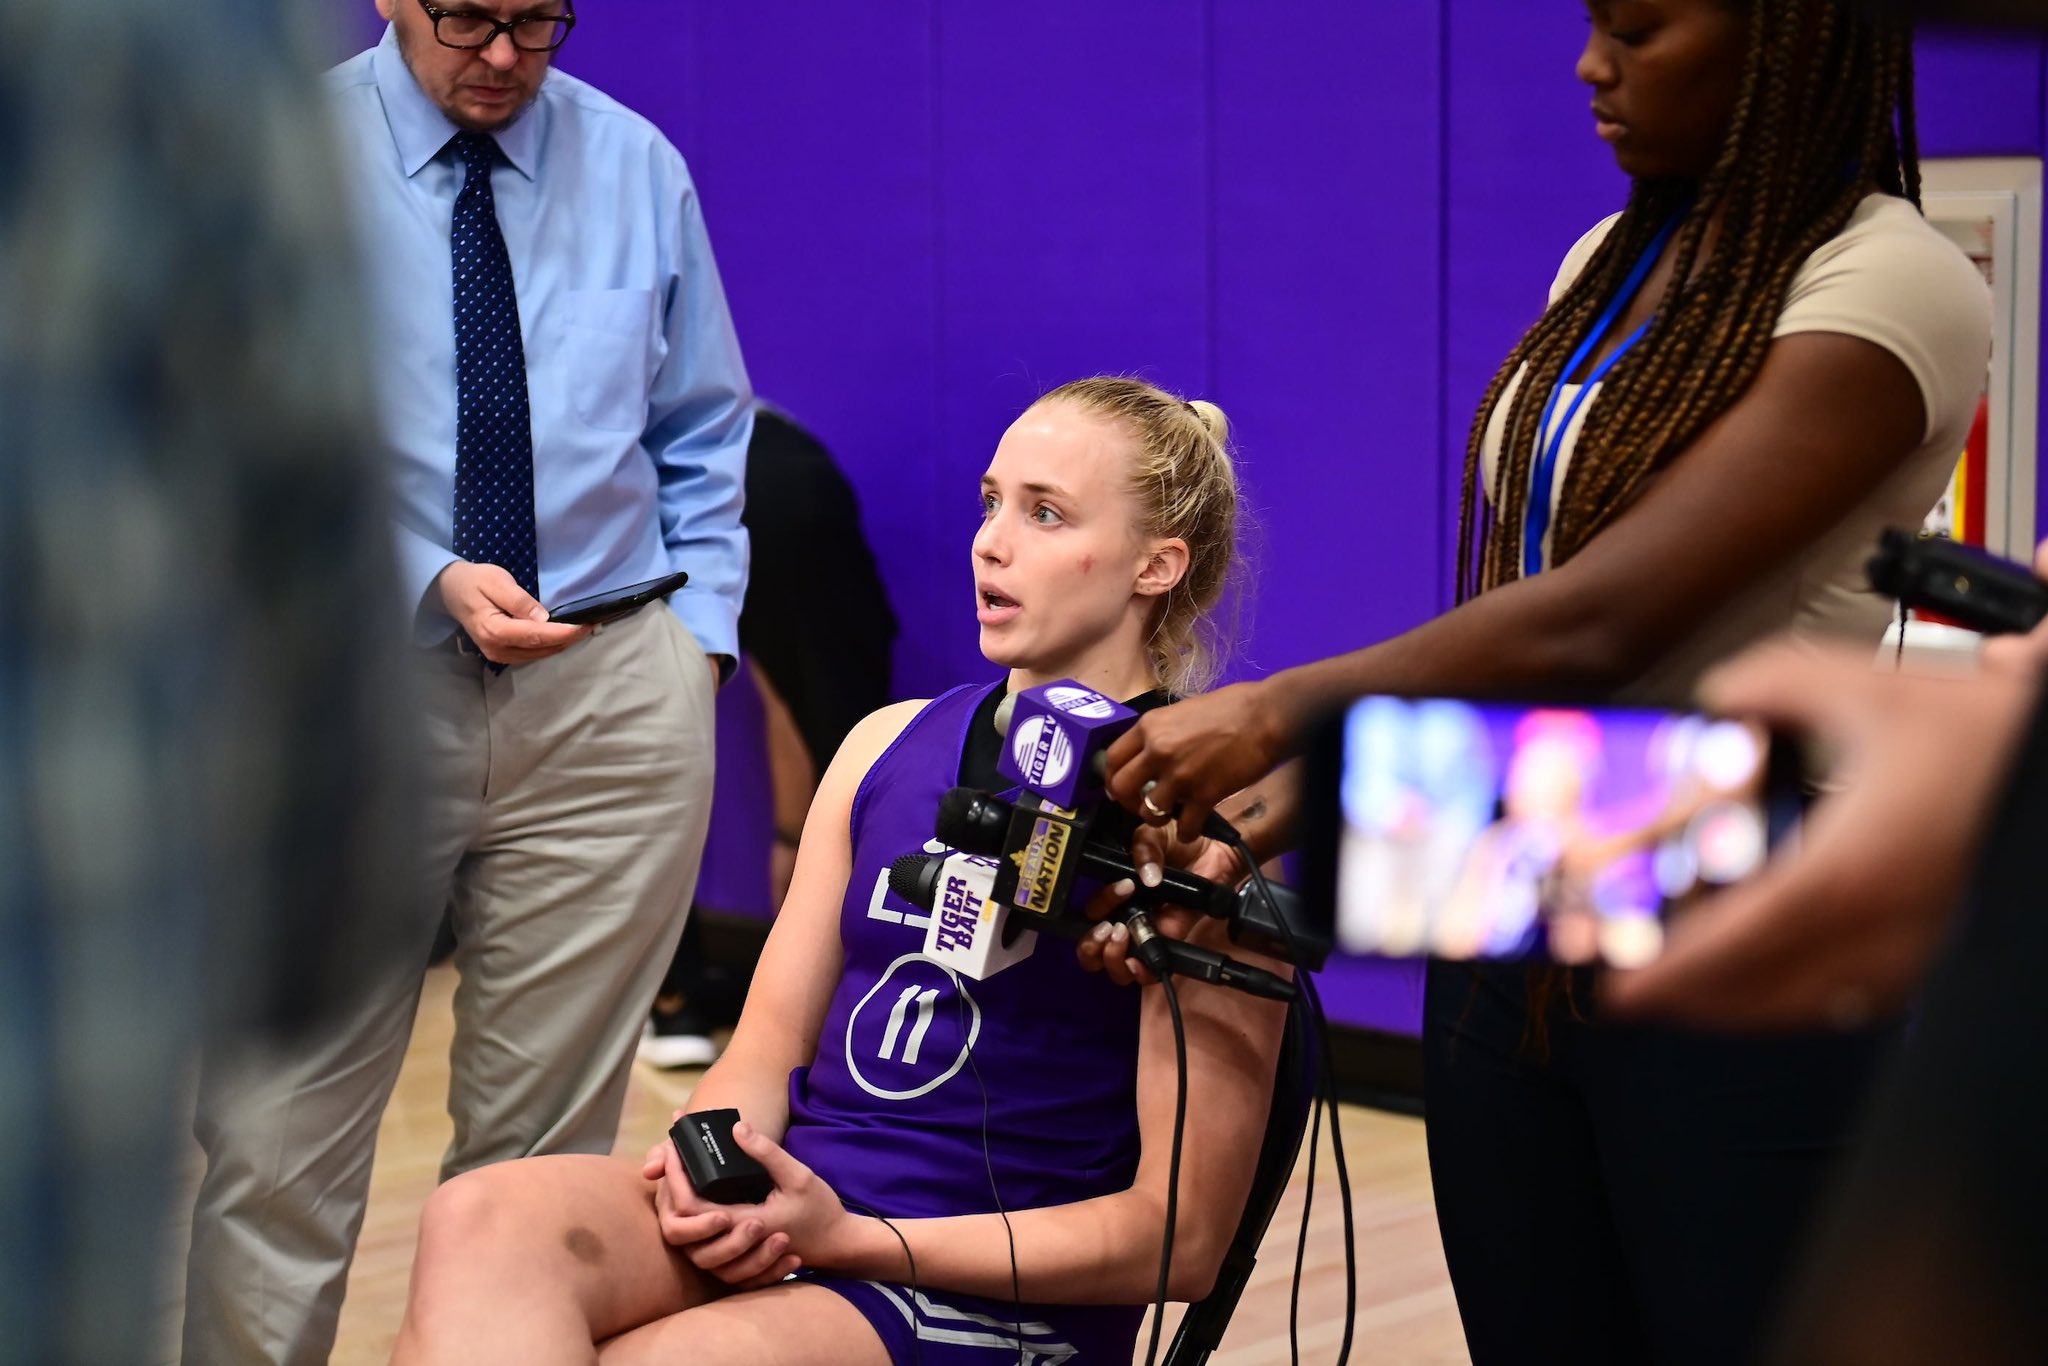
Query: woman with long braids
[[1766, 356]]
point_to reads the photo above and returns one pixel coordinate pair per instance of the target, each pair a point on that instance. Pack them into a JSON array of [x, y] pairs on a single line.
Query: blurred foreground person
[[1937, 1245], [195, 795], [1934, 1248]]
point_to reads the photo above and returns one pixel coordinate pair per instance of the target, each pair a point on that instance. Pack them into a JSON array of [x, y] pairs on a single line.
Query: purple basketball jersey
[[892, 1111]]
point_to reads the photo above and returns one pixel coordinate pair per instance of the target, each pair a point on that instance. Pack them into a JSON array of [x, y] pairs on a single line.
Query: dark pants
[[713, 987], [1637, 1195]]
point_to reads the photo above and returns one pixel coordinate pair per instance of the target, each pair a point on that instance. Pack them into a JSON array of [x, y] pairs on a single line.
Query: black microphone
[[1965, 584], [977, 823], [916, 878], [1183, 959]]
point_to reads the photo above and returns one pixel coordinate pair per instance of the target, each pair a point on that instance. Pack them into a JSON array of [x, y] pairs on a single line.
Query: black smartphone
[[1970, 587], [1485, 830], [613, 603]]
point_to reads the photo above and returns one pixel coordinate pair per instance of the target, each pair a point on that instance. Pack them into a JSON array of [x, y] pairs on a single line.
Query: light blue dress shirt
[[640, 402]]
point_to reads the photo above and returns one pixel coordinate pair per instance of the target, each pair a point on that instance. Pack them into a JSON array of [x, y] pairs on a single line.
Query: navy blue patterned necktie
[[493, 431]]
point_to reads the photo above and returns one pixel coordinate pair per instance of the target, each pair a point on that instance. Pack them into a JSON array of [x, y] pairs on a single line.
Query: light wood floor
[[1406, 1316]]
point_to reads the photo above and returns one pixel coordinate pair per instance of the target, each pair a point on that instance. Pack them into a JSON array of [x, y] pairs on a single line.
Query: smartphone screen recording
[[1461, 829]]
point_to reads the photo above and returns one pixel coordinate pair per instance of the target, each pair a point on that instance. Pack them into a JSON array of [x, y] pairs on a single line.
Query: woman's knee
[[487, 1213]]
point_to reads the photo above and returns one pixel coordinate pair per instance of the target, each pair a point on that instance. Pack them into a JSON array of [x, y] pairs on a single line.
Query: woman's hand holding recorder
[[748, 1246]]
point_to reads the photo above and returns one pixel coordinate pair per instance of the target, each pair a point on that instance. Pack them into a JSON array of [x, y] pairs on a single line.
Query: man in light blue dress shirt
[[568, 768]]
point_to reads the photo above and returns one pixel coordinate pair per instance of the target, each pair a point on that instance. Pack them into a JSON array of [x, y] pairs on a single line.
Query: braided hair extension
[[1824, 112]]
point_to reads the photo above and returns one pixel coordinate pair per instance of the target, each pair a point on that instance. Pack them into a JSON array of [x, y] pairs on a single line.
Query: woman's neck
[[1120, 678], [1118, 664]]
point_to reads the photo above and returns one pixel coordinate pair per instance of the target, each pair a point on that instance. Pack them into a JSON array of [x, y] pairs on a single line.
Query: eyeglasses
[[534, 33]]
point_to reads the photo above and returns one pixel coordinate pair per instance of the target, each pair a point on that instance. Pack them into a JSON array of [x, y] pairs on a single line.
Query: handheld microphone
[[927, 880], [1960, 582], [1055, 736], [1060, 746], [969, 931], [1183, 959], [980, 823]]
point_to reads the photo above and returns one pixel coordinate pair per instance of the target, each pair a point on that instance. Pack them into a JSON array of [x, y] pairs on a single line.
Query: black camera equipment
[[1969, 586]]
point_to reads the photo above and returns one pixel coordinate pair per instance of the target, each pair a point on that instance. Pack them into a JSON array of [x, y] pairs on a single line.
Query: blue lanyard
[[1537, 522]]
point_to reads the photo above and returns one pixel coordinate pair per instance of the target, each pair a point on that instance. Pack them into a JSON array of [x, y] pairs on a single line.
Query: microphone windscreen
[[915, 877], [972, 822]]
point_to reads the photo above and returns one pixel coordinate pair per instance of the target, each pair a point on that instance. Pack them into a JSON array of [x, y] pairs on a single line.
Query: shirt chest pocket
[[609, 356]]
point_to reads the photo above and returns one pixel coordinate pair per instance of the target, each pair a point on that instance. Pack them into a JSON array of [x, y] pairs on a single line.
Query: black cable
[[1235, 840], [988, 1161], [1329, 1072], [1308, 1200], [916, 1345], [1328, 1096], [1180, 1121]]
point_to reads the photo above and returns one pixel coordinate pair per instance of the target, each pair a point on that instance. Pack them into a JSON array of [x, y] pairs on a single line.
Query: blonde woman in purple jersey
[[966, 1172]]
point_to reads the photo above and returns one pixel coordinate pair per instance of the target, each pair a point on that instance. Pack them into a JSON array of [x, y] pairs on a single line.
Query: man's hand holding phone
[[501, 618]]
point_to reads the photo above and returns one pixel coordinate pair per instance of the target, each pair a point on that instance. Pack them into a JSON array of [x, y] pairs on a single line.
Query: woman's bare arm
[[1828, 419], [792, 988]]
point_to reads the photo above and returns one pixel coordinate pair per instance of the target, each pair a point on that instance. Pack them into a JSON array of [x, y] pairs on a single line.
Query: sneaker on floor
[[682, 1048]]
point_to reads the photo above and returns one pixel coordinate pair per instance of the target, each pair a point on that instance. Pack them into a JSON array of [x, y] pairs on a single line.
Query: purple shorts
[[946, 1329]]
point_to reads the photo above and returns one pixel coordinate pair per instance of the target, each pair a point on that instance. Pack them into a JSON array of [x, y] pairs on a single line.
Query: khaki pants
[[567, 802]]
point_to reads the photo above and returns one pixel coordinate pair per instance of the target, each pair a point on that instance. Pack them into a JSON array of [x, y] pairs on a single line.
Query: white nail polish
[[1123, 888], [1149, 875], [1100, 934], [1118, 934]]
